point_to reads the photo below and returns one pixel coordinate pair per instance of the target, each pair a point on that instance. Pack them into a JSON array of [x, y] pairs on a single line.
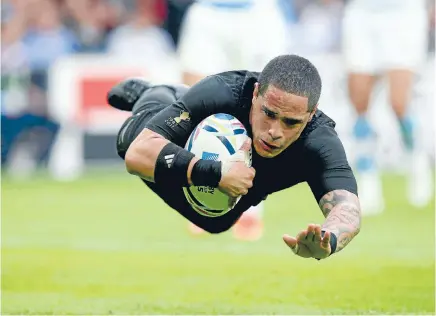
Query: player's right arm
[[143, 154], [156, 156]]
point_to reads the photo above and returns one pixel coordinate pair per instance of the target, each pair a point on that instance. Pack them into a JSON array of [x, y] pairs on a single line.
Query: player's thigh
[[135, 124], [151, 102], [201, 49], [359, 47]]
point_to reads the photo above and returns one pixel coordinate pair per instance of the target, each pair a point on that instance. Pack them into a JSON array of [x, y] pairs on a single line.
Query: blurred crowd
[[35, 33]]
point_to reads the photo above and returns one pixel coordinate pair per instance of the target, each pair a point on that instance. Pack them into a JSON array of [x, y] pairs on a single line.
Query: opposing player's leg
[[402, 70], [420, 184], [362, 63], [360, 87], [400, 89]]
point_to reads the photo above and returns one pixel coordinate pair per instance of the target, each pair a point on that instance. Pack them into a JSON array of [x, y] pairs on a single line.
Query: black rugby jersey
[[317, 157]]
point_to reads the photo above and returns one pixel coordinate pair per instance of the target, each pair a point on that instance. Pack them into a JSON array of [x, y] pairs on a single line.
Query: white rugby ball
[[217, 137]]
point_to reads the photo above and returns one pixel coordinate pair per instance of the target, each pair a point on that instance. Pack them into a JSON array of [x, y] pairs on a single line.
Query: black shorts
[[151, 103]]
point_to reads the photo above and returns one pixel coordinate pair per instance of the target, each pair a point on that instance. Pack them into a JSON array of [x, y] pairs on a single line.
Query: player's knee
[[180, 90], [161, 94]]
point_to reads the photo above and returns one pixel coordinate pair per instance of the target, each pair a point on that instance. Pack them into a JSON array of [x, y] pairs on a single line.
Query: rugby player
[[293, 142]]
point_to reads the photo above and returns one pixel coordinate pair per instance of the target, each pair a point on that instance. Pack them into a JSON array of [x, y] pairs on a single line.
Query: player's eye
[[268, 112], [290, 124]]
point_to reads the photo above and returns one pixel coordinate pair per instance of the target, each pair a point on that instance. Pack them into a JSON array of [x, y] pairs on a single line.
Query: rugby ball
[[217, 137]]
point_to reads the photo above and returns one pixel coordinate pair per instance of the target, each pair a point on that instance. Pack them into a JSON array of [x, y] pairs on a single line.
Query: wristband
[[333, 241], [206, 173], [172, 165]]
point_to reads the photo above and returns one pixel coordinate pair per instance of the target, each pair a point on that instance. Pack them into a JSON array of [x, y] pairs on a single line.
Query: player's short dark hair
[[292, 74]]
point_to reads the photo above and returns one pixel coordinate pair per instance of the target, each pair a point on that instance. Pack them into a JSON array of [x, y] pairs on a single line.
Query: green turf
[[106, 245]]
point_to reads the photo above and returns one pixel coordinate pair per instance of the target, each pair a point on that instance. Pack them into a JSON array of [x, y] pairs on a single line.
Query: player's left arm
[[341, 209], [334, 186]]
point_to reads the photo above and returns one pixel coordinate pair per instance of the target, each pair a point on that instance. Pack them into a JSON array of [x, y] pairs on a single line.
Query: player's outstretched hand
[[236, 177], [309, 243]]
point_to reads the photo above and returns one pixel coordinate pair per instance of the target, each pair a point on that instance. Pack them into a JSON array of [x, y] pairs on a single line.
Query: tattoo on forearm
[[343, 218]]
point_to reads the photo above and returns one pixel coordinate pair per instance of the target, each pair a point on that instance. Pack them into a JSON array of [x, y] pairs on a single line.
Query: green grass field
[[106, 245]]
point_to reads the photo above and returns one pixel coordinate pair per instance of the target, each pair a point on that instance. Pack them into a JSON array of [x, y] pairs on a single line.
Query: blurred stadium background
[[81, 236]]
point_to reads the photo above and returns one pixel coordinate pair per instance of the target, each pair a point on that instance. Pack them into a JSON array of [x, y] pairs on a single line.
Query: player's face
[[277, 119]]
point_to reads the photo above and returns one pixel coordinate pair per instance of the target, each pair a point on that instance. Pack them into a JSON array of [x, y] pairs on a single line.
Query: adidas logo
[[169, 159]]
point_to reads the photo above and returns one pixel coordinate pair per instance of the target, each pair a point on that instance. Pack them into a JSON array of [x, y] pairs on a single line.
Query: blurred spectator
[[14, 64], [46, 39], [176, 13], [92, 21], [33, 38], [141, 37]]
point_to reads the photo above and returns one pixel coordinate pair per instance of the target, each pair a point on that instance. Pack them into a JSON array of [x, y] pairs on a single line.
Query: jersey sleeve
[[211, 95], [328, 166]]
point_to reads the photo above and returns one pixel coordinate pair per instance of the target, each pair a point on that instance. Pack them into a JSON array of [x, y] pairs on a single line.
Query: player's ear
[[256, 91], [312, 113], [255, 94]]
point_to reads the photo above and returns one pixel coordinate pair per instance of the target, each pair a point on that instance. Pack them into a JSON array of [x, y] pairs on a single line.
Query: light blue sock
[[363, 132], [407, 127]]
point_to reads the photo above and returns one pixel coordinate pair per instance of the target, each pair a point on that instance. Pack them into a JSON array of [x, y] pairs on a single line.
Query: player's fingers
[[326, 240], [310, 233], [249, 184], [291, 242], [243, 192], [301, 236], [318, 233], [233, 194]]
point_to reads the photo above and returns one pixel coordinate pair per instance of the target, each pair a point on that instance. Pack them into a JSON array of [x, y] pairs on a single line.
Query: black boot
[[125, 94]]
